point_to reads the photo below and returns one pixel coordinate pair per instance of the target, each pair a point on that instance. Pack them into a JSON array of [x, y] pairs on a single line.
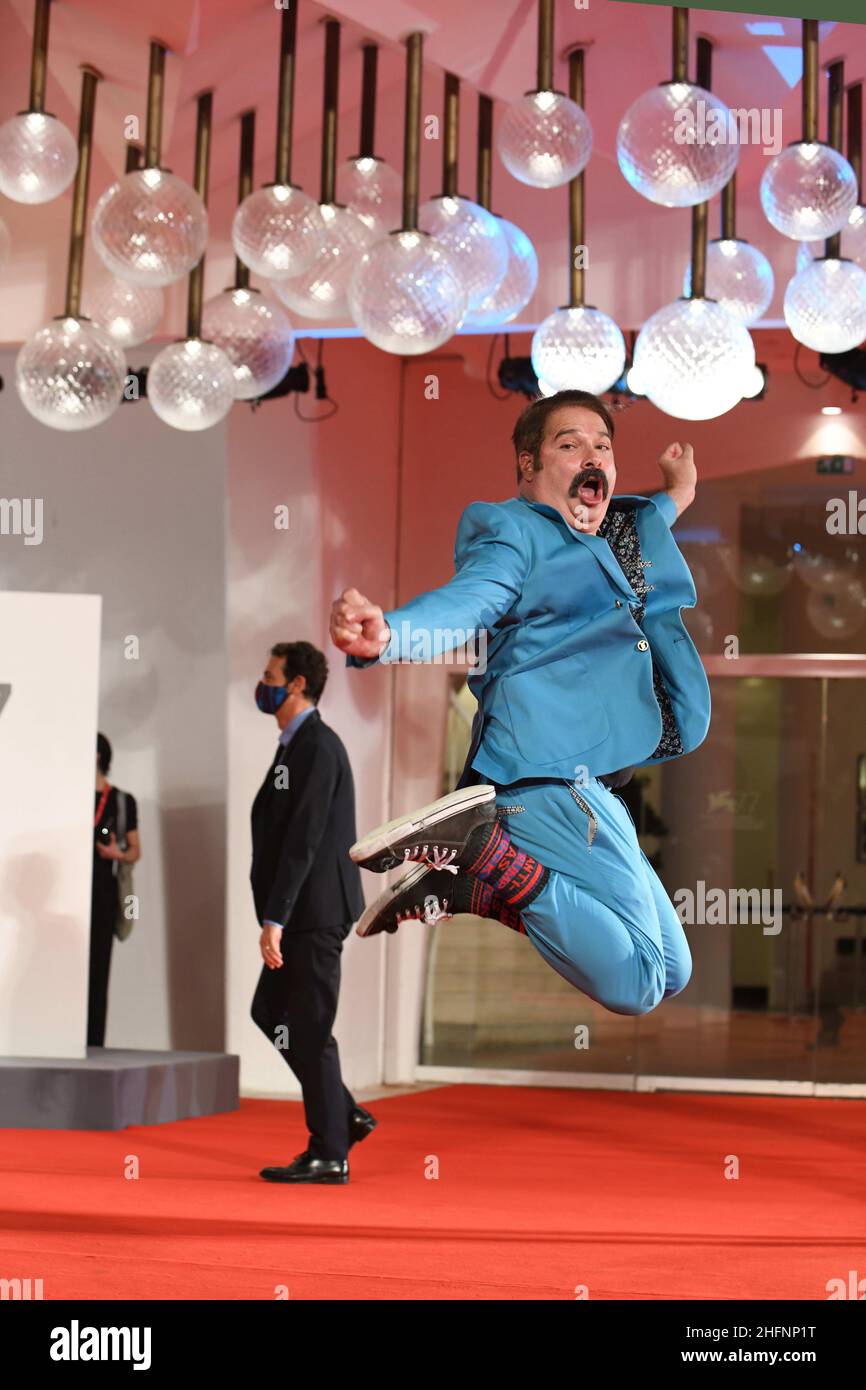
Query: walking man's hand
[[269, 945], [358, 626], [680, 475]]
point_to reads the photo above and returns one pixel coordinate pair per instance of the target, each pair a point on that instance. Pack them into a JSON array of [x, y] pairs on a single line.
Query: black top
[[302, 876], [108, 823]]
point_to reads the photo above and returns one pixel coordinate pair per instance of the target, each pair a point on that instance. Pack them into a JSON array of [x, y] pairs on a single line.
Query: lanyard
[[101, 807]]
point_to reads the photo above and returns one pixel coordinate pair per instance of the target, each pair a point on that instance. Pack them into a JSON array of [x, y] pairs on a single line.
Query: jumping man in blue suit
[[589, 673]]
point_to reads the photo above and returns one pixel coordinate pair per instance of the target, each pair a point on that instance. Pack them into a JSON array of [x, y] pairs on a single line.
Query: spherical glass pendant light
[[677, 145], [825, 305], [130, 314], [754, 383], [277, 231], [191, 384], [321, 292], [517, 286], [836, 616], [372, 189], [38, 157], [853, 247], [255, 335], [545, 139], [407, 294], [475, 239], [739, 277], [579, 348], [692, 359], [150, 227], [808, 191], [70, 374]]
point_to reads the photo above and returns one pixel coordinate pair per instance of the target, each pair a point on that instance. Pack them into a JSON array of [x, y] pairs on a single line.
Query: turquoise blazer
[[564, 686]]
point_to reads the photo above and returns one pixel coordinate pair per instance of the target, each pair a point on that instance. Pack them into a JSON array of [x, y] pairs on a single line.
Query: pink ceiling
[[637, 251]]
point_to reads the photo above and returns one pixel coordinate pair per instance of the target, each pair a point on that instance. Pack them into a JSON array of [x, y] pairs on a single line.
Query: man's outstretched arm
[[490, 563]]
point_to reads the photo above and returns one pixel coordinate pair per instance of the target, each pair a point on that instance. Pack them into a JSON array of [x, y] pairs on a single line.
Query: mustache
[[587, 475]]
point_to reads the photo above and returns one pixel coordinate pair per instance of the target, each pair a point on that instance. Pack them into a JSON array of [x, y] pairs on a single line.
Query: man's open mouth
[[590, 486]]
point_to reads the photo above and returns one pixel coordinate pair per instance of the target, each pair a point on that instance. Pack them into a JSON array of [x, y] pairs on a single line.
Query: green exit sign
[[835, 463]]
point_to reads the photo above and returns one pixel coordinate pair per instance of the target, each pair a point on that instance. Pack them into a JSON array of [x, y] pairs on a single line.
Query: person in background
[[115, 833], [307, 894]]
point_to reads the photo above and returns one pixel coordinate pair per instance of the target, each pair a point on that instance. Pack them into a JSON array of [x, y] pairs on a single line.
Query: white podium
[[49, 691]]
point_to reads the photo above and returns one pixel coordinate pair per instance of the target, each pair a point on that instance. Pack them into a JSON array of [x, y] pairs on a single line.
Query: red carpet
[[539, 1192]]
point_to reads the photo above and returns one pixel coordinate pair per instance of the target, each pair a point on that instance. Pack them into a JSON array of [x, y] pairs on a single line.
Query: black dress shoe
[[306, 1168], [361, 1123]]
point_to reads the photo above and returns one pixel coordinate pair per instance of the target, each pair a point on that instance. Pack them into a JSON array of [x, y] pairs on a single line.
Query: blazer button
[[643, 645], [617, 603]]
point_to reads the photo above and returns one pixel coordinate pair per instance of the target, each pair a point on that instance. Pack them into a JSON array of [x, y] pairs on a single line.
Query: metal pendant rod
[[835, 88], [855, 134], [155, 91], [91, 76], [203, 131], [412, 131], [329, 111], [451, 140], [286, 97], [729, 209], [576, 192], [367, 138], [485, 151], [680, 45], [810, 80], [39, 55], [246, 160], [545, 46]]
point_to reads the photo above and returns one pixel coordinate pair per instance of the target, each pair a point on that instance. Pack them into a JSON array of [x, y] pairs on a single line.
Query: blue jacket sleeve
[[490, 565], [666, 505]]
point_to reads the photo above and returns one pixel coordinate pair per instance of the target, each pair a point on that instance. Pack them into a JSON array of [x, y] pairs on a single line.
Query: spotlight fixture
[[849, 367]]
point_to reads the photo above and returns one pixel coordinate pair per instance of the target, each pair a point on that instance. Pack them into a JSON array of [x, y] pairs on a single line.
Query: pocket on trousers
[[556, 711]]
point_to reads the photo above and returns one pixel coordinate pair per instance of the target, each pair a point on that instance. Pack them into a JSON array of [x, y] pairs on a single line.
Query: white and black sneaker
[[435, 834], [421, 895]]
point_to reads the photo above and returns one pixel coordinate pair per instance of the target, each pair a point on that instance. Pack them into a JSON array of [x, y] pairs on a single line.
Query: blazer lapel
[[597, 544]]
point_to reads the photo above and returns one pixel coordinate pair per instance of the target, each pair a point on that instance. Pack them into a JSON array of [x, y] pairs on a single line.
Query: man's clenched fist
[[358, 626], [677, 465]]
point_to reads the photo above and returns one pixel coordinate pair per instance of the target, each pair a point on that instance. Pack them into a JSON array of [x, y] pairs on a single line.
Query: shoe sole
[[308, 1182], [381, 838], [385, 899]]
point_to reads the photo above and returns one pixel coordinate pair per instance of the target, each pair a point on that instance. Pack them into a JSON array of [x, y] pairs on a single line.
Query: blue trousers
[[603, 920]]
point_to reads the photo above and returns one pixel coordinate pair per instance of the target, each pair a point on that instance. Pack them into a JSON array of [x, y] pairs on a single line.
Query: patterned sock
[[511, 873], [475, 896]]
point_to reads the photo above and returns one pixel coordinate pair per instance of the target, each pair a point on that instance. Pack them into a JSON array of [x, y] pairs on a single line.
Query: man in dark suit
[[307, 894]]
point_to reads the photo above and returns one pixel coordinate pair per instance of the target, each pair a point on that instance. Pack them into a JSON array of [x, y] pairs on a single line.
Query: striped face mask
[[270, 697]]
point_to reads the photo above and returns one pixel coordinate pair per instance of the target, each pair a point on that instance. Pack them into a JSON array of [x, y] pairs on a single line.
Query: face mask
[[270, 697]]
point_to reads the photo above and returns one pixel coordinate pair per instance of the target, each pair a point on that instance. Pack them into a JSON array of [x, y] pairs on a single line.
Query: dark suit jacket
[[302, 875]]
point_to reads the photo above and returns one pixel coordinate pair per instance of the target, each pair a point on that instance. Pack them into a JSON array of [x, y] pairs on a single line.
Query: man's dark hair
[[103, 753], [303, 659], [528, 435]]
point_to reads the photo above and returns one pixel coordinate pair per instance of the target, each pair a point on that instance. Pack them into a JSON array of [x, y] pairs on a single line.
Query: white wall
[[134, 511]]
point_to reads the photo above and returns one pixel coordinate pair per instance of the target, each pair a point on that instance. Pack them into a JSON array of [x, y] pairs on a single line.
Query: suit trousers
[[295, 1007], [603, 920], [103, 912]]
